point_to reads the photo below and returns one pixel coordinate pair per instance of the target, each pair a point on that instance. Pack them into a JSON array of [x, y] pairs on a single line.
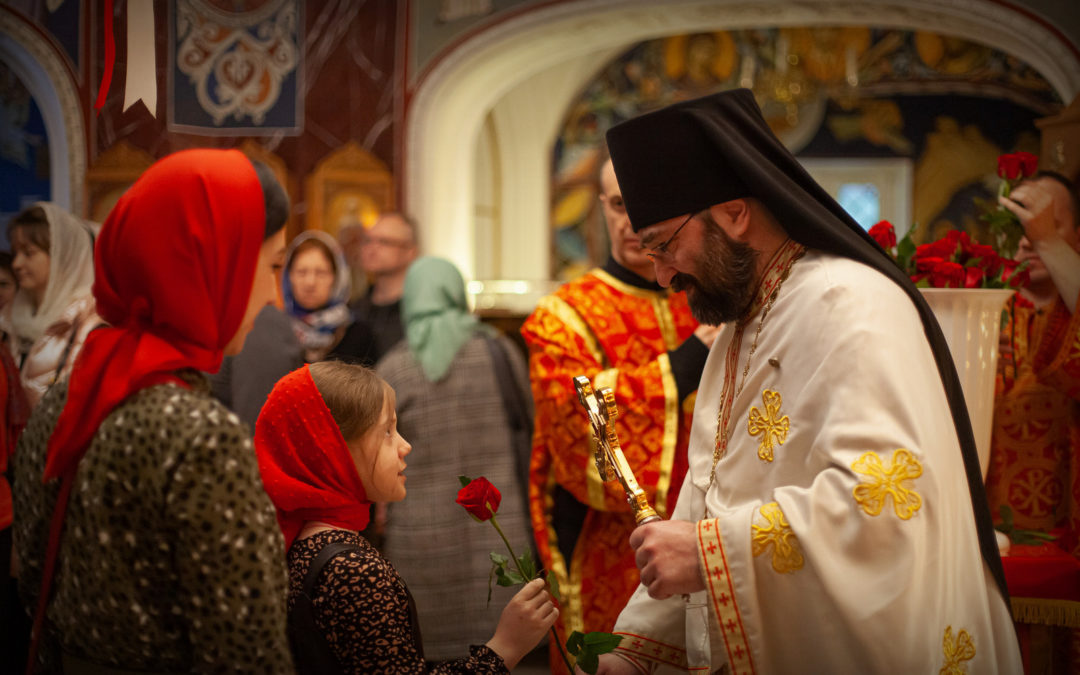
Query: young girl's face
[[379, 455]]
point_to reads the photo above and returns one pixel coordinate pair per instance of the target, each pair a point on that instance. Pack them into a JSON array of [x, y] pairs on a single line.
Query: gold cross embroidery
[[771, 426], [956, 652], [786, 553], [884, 481]]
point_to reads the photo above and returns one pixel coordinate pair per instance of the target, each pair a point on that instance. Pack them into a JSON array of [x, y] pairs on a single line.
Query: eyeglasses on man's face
[[660, 251], [387, 242]]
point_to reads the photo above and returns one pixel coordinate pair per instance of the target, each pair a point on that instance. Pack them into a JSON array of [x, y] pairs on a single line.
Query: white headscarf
[[71, 273]]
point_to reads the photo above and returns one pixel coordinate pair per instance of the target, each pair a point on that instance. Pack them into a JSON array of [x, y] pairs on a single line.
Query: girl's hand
[[524, 621]]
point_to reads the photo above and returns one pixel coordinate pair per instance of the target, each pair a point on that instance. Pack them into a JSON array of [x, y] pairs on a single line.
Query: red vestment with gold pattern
[[1035, 445], [618, 336]]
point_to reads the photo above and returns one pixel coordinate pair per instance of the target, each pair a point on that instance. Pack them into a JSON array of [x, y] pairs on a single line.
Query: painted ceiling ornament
[[236, 60]]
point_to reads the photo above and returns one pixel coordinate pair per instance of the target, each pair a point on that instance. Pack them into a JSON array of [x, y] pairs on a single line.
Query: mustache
[[681, 281]]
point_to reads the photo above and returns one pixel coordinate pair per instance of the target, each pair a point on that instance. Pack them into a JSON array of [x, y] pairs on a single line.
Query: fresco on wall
[[24, 150], [949, 105], [235, 67], [61, 18]]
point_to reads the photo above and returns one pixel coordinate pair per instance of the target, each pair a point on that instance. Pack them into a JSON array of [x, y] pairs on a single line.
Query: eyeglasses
[[384, 241], [662, 249], [305, 272]]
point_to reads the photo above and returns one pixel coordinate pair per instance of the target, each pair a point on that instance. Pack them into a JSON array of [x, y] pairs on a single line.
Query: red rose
[[942, 248], [884, 234], [1014, 274], [973, 277], [1029, 163], [1017, 165], [989, 262], [927, 264], [947, 275], [1009, 167], [479, 498]]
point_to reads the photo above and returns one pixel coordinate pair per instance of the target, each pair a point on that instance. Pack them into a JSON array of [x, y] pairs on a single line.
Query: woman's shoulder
[[80, 315], [188, 414]]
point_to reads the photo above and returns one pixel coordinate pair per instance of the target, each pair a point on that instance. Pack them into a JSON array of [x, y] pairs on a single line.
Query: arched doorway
[[46, 75]]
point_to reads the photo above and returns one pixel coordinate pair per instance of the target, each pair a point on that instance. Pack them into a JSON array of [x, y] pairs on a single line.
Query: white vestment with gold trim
[[838, 536]]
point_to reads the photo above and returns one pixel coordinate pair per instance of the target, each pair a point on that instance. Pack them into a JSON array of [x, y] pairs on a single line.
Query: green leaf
[[602, 643], [589, 663], [1030, 537], [1017, 536], [527, 565], [465, 480], [1006, 518], [553, 585], [587, 648], [905, 247], [498, 558], [575, 642], [508, 577]]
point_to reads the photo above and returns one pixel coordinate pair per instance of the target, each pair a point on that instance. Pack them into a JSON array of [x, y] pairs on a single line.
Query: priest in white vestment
[[833, 518]]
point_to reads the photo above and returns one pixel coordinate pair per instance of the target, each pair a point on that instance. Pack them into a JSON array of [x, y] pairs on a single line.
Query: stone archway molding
[[42, 69], [458, 91]]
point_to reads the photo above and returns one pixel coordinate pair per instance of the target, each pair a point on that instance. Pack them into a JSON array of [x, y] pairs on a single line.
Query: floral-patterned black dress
[[362, 609]]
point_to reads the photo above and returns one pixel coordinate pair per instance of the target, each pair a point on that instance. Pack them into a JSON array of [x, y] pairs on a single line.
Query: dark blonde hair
[[34, 227], [314, 243], [354, 394]]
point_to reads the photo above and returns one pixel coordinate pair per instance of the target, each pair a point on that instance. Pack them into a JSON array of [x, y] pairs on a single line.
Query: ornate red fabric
[[306, 466], [1035, 444], [174, 266]]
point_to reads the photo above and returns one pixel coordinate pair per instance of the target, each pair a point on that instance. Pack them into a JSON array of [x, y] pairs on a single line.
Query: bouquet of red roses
[[954, 261]]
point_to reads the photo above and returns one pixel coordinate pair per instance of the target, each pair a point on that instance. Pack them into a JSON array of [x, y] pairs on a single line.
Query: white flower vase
[[971, 322]]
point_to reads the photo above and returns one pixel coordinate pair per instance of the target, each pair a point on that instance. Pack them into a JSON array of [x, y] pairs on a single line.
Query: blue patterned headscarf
[[315, 328]]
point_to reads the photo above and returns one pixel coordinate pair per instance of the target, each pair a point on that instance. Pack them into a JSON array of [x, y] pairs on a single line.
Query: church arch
[[47, 77], [521, 74]]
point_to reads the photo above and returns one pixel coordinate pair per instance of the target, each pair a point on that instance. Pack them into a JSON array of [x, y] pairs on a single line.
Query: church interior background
[[484, 118]]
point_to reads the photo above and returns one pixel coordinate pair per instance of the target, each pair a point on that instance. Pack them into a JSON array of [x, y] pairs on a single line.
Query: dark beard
[[724, 288]]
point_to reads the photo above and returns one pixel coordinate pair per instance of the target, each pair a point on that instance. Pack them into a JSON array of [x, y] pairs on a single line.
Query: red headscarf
[[305, 464], [174, 266]]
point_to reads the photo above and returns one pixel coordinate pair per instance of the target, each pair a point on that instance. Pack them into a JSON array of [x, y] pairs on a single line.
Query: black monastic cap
[[690, 155]]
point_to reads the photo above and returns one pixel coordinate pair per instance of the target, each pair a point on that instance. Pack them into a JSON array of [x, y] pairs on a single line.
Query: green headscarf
[[436, 316]]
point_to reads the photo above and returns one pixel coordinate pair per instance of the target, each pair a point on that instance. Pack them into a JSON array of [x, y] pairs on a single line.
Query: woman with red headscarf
[[144, 537], [328, 446]]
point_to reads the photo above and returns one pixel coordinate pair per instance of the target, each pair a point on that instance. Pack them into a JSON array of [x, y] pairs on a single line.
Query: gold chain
[[718, 449]]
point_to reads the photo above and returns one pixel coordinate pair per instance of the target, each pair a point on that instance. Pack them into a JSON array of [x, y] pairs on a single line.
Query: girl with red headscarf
[[144, 537], [328, 446]]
